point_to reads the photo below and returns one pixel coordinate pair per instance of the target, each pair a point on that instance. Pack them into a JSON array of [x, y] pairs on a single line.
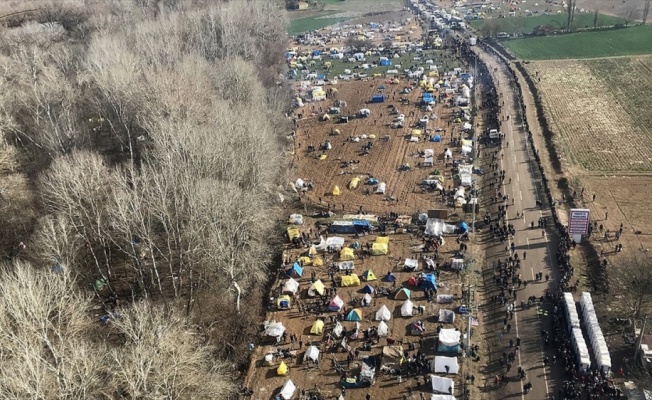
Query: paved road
[[516, 158]]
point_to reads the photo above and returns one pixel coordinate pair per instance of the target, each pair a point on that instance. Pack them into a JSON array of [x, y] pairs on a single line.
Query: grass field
[[619, 42], [306, 24], [528, 24]]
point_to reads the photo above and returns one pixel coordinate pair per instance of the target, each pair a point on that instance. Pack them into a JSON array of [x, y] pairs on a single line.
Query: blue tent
[[321, 76], [378, 98], [316, 53], [372, 181], [354, 315], [368, 289], [361, 225], [442, 348], [389, 277], [436, 138], [295, 271], [385, 63], [463, 227], [429, 281]]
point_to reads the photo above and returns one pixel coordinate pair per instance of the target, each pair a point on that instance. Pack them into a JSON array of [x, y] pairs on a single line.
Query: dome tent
[[383, 314]]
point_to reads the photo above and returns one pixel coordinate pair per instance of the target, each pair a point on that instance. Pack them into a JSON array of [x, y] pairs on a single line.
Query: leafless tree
[[646, 10], [630, 13], [596, 15], [570, 10], [636, 272]]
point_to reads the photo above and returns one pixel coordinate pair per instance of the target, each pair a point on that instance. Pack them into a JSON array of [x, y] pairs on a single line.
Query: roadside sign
[[578, 221]]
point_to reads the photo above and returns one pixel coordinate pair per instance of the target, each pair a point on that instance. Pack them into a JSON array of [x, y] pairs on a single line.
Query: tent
[[317, 327], [368, 289], [411, 264], [382, 329], [345, 265], [379, 249], [291, 286], [293, 233], [429, 281], [389, 277], [284, 302], [282, 369], [350, 280], [449, 341], [295, 271], [381, 188], [412, 281], [366, 300], [346, 254], [312, 353], [383, 314], [317, 261], [287, 391], [354, 315], [336, 304], [304, 260], [274, 329], [442, 385], [407, 308], [417, 328], [378, 98], [317, 288], [463, 227], [334, 242], [442, 397], [354, 183], [439, 364], [402, 294], [336, 191], [368, 275], [296, 219], [446, 316]]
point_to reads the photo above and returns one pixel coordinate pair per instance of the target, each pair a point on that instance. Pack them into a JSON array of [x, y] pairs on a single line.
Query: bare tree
[[630, 13], [570, 10], [596, 15], [637, 274], [646, 10]]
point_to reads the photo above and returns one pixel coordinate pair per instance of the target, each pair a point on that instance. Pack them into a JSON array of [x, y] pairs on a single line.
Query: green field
[[615, 42], [528, 24]]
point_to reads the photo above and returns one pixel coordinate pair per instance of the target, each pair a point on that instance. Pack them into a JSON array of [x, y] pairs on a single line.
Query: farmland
[[526, 25], [607, 43]]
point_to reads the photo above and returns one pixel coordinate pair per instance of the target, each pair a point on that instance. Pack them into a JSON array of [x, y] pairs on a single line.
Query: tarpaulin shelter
[[284, 302], [345, 265], [282, 369], [293, 233], [382, 187], [354, 183], [368, 289], [354, 315], [449, 341], [288, 389], [381, 239], [295, 271], [350, 280], [402, 294], [411, 264], [442, 397], [368, 275], [378, 98], [379, 249], [346, 254], [312, 353], [439, 364], [383, 314], [429, 281], [274, 329], [334, 242], [291, 286], [446, 316], [382, 329], [407, 308], [442, 385], [390, 277], [317, 327], [296, 219], [463, 227], [317, 288], [336, 304], [342, 227]]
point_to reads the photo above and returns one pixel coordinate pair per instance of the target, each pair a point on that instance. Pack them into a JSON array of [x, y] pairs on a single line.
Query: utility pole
[[640, 337], [468, 319]]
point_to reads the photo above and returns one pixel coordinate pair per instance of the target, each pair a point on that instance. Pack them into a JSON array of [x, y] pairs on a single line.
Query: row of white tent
[[598, 343], [577, 339], [439, 384]]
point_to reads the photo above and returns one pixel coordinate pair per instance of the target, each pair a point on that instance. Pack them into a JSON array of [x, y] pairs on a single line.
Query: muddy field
[[390, 150]]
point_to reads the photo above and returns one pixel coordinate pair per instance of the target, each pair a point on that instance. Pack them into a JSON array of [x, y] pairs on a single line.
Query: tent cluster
[[577, 339], [598, 343]]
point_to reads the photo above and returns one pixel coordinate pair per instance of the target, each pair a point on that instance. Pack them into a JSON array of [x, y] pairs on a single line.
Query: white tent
[[296, 219], [411, 264], [406, 309], [274, 329], [439, 364], [312, 353], [291, 286], [383, 314], [337, 331], [442, 397], [366, 300], [381, 188], [449, 337], [299, 183], [382, 329], [287, 391], [442, 385], [437, 227], [322, 244], [335, 242]]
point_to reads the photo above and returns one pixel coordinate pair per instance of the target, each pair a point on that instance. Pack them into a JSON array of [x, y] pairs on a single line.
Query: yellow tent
[[325, 117], [312, 251], [395, 81], [317, 261], [293, 233], [336, 191], [346, 254], [317, 327], [377, 75], [323, 157], [372, 136], [317, 288], [282, 369], [284, 302], [305, 260], [354, 183], [433, 74], [350, 280], [467, 142], [379, 249], [368, 275], [416, 132], [336, 132], [382, 239], [328, 63]]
